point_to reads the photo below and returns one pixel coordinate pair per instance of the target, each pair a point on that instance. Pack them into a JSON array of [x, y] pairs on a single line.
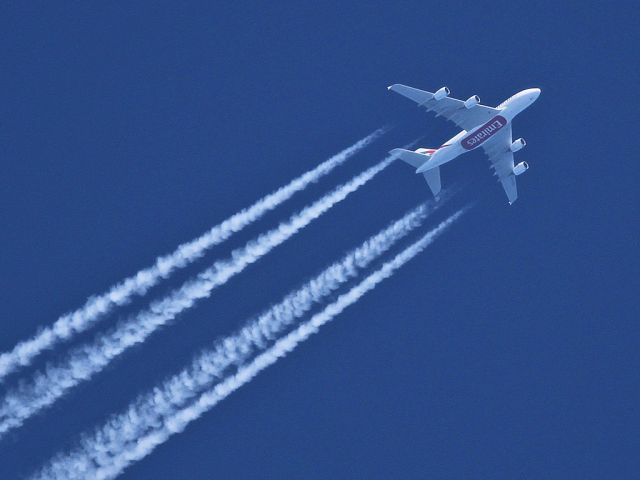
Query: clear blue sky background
[[507, 350]]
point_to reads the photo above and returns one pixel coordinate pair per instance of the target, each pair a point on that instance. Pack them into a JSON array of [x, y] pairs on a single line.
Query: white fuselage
[[465, 141]]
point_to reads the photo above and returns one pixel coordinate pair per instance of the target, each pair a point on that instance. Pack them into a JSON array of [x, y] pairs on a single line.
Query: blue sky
[[508, 349]]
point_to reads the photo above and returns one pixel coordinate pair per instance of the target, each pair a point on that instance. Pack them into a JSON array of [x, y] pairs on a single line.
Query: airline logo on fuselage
[[484, 133]]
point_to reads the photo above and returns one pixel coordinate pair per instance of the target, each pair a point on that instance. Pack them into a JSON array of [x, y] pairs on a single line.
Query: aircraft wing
[[450, 108], [501, 158]]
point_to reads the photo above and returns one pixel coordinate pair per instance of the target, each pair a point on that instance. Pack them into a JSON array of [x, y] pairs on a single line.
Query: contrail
[[104, 465], [120, 294], [148, 410], [85, 361]]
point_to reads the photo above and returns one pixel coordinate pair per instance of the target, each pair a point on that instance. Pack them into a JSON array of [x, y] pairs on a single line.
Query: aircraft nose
[[535, 93]]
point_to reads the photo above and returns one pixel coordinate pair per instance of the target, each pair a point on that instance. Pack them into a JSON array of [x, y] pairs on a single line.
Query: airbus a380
[[486, 127]]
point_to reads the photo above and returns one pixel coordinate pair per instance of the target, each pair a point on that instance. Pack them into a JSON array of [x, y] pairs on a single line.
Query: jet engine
[[440, 94], [517, 145], [520, 168], [472, 101]]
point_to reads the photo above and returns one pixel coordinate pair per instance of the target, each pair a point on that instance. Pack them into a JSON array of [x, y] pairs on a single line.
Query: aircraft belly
[[442, 156], [484, 132]]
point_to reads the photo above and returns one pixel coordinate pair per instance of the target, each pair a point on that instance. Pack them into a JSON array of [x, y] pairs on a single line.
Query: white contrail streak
[[208, 367], [106, 467], [120, 294], [85, 361]]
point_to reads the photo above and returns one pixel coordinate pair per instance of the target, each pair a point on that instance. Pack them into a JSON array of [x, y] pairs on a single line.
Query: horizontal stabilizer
[[433, 180], [412, 158]]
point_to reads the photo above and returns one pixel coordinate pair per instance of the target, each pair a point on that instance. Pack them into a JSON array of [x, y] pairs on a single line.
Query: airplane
[[483, 126]]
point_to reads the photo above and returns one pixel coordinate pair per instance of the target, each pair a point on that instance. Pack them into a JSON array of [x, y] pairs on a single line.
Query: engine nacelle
[[472, 101], [440, 94], [517, 145], [520, 168]]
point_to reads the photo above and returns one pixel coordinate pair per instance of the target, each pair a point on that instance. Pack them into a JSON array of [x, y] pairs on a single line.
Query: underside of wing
[[501, 158], [510, 187], [452, 109]]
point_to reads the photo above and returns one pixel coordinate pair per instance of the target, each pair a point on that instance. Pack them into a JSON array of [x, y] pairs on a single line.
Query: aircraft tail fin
[[416, 160]]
